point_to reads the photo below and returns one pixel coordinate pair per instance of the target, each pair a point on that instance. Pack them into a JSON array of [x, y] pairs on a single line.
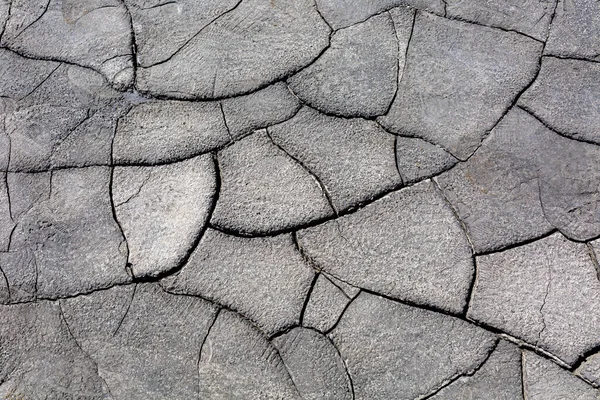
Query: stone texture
[[251, 46], [565, 96], [396, 351], [407, 245], [350, 79], [590, 370], [163, 211], [544, 293], [353, 158], [459, 80], [325, 306], [265, 279], [264, 190], [417, 159], [314, 365]]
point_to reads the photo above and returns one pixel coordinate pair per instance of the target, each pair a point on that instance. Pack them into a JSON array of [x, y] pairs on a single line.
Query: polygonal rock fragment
[[394, 351], [407, 245], [41, 360], [545, 293], [237, 362], [343, 13], [529, 17], [161, 28], [93, 34], [350, 79], [325, 306], [590, 370], [565, 96], [353, 158], [76, 245], [417, 159], [459, 80], [265, 279], [499, 378], [167, 131], [314, 365], [575, 30], [544, 380], [145, 342], [268, 106], [264, 191], [163, 211], [256, 43]]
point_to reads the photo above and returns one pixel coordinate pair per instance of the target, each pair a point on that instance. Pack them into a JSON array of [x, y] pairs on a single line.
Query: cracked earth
[[307, 199]]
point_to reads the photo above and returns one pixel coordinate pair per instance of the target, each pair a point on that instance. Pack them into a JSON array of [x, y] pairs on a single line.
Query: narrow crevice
[[337, 286], [307, 259], [518, 244], [594, 258], [34, 21], [339, 353], [585, 356], [41, 83], [126, 311], [341, 315], [321, 15], [225, 122], [572, 58], [8, 16], [133, 44], [524, 390], [402, 179], [217, 313], [541, 311], [307, 298], [136, 193], [5, 278]]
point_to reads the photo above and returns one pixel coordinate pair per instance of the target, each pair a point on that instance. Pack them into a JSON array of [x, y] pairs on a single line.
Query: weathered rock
[[168, 131], [265, 279], [575, 30], [163, 211], [266, 107], [325, 306], [314, 365], [343, 13], [544, 293], [263, 190], [255, 44], [498, 378], [417, 159], [590, 370], [145, 342], [531, 18], [19, 76], [401, 352], [353, 158], [350, 79], [565, 96], [94, 34], [407, 245], [544, 380], [237, 362], [459, 80], [6, 220]]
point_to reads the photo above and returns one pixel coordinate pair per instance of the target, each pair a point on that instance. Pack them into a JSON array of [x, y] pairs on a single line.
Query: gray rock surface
[[325, 306], [350, 79], [544, 293], [396, 351], [456, 85], [407, 245], [590, 370], [314, 364], [264, 190], [417, 159], [353, 158], [265, 279]]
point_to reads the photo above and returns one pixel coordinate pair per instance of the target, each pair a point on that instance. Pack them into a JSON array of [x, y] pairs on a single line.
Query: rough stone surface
[[407, 245], [325, 306], [590, 370], [417, 159]]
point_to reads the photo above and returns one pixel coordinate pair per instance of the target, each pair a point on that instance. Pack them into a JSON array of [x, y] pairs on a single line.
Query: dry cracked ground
[[277, 199]]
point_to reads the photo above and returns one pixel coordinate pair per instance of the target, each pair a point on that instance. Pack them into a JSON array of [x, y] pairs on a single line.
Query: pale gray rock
[[145, 342], [168, 131], [343, 13], [265, 279], [237, 362], [94, 34], [268, 106], [544, 293], [6, 220], [315, 366], [349, 290], [41, 360], [163, 27], [263, 190], [459, 80], [499, 378], [407, 245], [575, 30], [353, 158], [565, 96], [396, 351], [325, 306], [417, 159], [351, 79], [19, 75], [531, 18], [163, 211], [4, 12], [257, 43], [544, 380], [590, 370]]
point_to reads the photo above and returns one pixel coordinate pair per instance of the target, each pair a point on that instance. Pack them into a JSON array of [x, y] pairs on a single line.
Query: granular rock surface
[[299, 199]]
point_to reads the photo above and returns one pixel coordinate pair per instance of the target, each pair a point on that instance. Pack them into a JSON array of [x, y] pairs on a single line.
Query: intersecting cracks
[[307, 298], [321, 15], [133, 42]]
